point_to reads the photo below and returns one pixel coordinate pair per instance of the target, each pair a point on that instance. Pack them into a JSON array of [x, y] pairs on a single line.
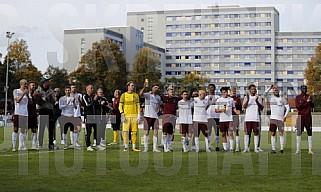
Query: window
[[279, 48], [168, 57], [142, 20], [289, 72], [267, 47], [82, 41], [237, 72], [168, 34], [247, 64], [197, 57], [267, 71], [188, 34]]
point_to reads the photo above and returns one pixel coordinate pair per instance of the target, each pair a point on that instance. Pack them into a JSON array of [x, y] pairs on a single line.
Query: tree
[[146, 67], [20, 66], [313, 77], [193, 80], [104, 66], [59, 77]]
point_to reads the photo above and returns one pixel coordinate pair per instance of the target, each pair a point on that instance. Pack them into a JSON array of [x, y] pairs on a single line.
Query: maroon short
[[304, 122], [251, 125], [169, 122], [200, 126], [186, 128], [217, 121], [20, 121], [234, 125], [274, 124], [224, 127], [150, 123], [32, 122]]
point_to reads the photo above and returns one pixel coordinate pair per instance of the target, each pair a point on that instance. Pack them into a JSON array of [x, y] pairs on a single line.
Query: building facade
[[229, 45]]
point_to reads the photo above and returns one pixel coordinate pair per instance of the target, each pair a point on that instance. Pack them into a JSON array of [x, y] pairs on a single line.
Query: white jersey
[[229, 104], [185, 112], [279, 108], [21, 108], [77, 111], [252, 110], [152, 103], [200, 110], [211, 110], [67, 107]]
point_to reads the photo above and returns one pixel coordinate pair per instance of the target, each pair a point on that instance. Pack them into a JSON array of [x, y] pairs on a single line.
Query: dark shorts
[[251, 125], [276, 124], [115, 122], [224, 127], [304, 122], [32, 122], [186, 128], [150, 123], [200, 126], [234, 125], [20, 121], [169, 122]]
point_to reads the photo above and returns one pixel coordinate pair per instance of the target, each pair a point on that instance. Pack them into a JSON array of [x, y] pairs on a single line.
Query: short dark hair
[[67, 87], [31, 82], [252, 85], [224, 89], [184, 91], [211, 85]]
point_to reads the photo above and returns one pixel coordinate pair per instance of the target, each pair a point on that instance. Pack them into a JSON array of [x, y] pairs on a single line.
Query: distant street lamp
[[9, 36]]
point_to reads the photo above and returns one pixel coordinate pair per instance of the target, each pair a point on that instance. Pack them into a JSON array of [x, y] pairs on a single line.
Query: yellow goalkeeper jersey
[[129, 103]]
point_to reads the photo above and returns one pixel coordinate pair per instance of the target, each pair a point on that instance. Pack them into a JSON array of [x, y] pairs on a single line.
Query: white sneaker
[[156, 150], [297, 152], [259, 149], [208, 151], [34, 147], [103, 145], [246, 151], [62, 142], [95, 143], [77, 144], [90, 149], [237, 150], [145, 150], [66, 147], [74, 147], [13, 149], [310, 152], [100, 148], [167, 150]]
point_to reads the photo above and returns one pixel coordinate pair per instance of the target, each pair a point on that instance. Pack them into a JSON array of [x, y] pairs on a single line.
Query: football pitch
[[115, 170]]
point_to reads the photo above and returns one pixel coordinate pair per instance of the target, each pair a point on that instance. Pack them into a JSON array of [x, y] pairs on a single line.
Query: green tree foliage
[[193, 80], [146, 67], [59, 77], [20, 66], [313, 77], [104, 66]]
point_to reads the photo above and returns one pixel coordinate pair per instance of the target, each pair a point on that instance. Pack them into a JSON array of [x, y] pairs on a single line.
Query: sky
[[42, 23]]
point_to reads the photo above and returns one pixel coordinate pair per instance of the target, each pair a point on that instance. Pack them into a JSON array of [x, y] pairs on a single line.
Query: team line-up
[[37, 108]]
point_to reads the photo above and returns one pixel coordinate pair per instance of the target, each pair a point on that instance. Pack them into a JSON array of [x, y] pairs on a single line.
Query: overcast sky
[[41, 23]]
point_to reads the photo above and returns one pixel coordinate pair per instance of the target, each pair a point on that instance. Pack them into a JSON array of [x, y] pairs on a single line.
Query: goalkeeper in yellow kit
[[129, 108]]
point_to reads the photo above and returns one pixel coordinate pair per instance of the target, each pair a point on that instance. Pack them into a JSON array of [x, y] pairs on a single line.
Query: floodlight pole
[[9, 36]]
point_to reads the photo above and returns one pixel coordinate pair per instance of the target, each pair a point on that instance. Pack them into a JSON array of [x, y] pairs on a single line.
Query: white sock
[[146, 142], [310, 142], [165, 142], [154, 142], [25, 136], [21, 140], [256, 141], [232, 144], [217, 140], [187, 140], [34, 138], [273, 142], [207, 143], [126, 146], [134, 146], [197, 144], [169, 139], [183, 142], [281, 142], [246, 142], [64, 137], [14, 139], [227, 142], [237, 142], [71, 137], [225, 146], [74, 137], [298, 141]]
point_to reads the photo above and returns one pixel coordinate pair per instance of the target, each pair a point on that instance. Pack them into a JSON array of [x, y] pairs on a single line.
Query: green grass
[[115, 170]]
